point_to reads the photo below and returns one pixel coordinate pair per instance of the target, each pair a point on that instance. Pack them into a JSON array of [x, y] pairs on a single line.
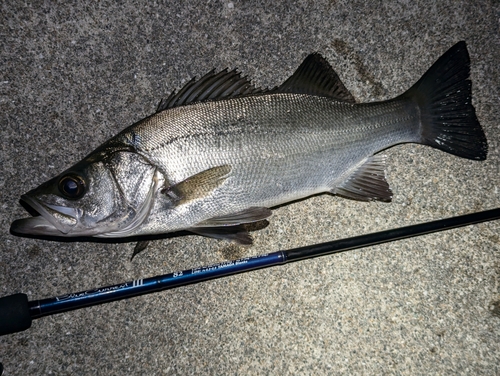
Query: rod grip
[[14, 314]]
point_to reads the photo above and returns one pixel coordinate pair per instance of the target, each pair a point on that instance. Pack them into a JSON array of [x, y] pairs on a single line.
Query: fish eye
[[72, 187]]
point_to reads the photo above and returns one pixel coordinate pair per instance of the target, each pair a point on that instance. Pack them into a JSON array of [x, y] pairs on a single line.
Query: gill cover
[[106, 194]]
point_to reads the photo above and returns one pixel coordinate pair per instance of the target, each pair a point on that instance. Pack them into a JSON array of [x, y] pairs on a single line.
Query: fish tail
[[448, 119]]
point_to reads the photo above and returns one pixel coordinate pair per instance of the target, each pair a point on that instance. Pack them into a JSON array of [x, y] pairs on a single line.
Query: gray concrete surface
[[73, 75]]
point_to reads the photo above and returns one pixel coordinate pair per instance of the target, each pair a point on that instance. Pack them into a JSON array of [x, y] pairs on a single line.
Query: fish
[[220, 153]]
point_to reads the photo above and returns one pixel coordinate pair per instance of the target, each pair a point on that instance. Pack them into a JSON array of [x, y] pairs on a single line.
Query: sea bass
[[219, 153]]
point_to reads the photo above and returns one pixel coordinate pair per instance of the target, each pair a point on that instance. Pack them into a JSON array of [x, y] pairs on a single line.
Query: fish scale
[[288, 125]]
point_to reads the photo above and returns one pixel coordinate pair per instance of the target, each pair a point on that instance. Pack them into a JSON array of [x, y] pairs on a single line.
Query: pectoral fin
[[199, 185], [367, 182]]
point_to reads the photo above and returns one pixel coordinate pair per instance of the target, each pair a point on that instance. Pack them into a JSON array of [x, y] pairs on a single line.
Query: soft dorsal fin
[[315, 76], [225, 84]]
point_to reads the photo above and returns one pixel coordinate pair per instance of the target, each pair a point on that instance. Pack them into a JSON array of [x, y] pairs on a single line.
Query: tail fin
[[448, 119]]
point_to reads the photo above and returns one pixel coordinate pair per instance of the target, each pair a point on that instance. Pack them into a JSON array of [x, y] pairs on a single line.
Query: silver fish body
[[212, 164], [281, 147]]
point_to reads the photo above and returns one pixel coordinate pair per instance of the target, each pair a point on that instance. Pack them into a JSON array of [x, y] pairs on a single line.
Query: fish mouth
[[53, 220]]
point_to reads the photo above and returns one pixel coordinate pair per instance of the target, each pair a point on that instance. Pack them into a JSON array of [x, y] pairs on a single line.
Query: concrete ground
[[73, 75]]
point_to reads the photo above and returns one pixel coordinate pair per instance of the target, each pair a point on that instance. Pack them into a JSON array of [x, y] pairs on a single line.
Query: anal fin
[[367, 182]]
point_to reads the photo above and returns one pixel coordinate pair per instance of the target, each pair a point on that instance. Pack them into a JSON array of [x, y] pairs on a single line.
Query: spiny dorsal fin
[[315, 76], [225, 84], [367, 182]]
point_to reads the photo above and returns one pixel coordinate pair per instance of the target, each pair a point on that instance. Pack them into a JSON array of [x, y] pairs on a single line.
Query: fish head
[[109, 193]]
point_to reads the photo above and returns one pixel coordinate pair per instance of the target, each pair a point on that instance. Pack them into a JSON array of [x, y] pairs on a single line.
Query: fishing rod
[[17, 313]]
